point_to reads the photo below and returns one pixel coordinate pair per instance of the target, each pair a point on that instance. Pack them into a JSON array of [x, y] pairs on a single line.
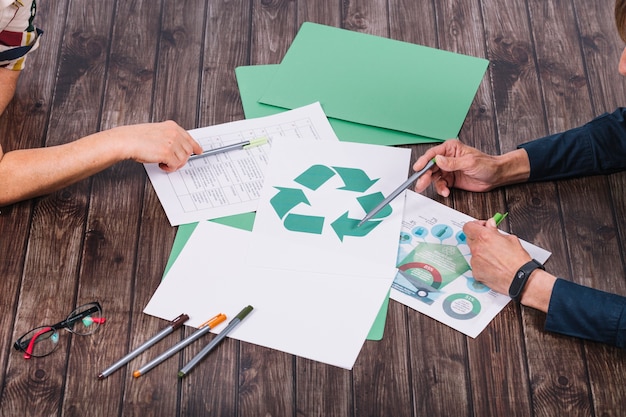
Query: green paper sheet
[[377, 81], [253, 81], [245, 222]]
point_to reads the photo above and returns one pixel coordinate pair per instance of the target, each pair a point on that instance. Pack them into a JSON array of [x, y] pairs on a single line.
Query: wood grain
[[553, 66]]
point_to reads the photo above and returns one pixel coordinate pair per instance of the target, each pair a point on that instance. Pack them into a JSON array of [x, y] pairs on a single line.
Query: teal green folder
[[245, 222], [377, 81], [253, 81]]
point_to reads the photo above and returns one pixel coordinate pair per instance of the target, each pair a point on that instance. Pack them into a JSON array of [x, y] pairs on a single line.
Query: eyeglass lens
[[42, 341]]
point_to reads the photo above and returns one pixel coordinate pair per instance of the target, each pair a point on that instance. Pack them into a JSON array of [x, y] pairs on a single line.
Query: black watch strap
[[521, 277]]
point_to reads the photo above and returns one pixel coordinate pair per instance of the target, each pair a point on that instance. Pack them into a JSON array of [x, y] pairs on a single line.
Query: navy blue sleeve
[[598, 147], [584, 312]]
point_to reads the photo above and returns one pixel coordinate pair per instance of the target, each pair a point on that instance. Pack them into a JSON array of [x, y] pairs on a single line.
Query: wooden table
[[107, 63]]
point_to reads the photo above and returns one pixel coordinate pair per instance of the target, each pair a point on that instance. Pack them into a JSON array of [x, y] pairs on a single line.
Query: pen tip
[[100, 376], [181, 374], [136, 374]]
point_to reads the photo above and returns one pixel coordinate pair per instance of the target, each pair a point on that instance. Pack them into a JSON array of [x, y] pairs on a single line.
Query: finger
[[441, 187], [424, 181], [165, 167], [195, 146], [472, 228]]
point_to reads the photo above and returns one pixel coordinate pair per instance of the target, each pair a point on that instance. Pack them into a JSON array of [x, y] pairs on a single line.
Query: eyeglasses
[[44, 340]]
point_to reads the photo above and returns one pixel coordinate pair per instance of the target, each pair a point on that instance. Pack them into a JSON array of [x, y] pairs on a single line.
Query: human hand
[[165, 143], [461, 166], [496, 257]]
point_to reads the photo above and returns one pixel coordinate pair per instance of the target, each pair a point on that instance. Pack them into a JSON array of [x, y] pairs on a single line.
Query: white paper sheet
[[316, 288], [337, 179], [434, 274], [322, 317], [230, 183]]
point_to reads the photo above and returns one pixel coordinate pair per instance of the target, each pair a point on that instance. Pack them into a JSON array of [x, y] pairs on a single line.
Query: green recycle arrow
[[345, 226], [315, 176], [368, 202], [302, 223], [286, 199], [354, 179]]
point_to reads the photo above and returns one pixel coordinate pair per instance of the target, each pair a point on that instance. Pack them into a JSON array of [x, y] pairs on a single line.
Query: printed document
[[230, 183]]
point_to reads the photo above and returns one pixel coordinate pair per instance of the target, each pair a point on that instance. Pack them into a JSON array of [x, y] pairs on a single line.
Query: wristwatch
[[520, 278]]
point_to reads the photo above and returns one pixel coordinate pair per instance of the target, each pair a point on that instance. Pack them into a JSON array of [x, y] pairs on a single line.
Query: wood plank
[[23, 125], [533, 208], [114, 213], [566, 93], [49, 287]]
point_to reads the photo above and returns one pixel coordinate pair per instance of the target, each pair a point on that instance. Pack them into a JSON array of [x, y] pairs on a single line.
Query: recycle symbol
[[354, 180]]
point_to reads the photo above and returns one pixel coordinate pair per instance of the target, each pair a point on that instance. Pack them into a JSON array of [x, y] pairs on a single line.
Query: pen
[[174, 324], [241, 145], [498, 217], [231, 325], [397, 191], [204, 328]]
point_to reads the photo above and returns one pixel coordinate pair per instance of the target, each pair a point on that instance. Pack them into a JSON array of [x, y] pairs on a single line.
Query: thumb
[[445, 163]]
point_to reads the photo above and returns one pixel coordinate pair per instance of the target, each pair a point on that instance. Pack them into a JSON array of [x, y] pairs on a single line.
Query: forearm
[[584, 312], [598, 147], [29, 173], [8, 82], [511, 168]]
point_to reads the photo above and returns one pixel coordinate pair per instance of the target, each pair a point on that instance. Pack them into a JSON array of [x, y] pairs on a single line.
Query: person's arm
[[587, 313], [572, 309], [8, 83], [598, 147], [28, 173]]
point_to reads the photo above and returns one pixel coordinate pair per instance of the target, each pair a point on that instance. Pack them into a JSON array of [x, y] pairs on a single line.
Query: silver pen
[[174, 324], [396, 192]]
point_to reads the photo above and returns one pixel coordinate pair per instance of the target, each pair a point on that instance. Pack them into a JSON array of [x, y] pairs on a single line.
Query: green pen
[[498, 217]]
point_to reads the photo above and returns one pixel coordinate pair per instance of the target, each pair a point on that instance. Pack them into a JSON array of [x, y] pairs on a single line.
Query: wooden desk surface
[[107, 63]]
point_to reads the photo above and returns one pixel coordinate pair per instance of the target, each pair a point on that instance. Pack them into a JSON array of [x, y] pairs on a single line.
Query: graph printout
[[434, 274]]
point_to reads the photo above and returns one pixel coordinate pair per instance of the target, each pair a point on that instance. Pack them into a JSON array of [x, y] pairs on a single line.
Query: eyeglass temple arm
[[31, 344]]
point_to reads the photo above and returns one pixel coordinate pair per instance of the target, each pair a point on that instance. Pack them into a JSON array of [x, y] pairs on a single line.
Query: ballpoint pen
[[204, 328], [240, 145], [396, 192], [234, 322], [173, 325]]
